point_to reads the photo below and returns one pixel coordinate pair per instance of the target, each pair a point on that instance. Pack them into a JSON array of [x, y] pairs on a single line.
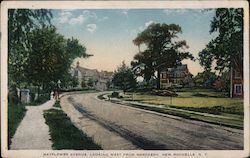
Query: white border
[[120, 5]]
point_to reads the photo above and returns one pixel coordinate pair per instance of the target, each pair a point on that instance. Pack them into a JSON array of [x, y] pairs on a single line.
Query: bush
[[114, 95], [12, 96]]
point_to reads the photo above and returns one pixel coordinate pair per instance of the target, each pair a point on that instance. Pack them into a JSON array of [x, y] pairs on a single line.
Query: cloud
[[64, 16], [149, 23], [67, 17], [88, 14], [91, 27], [78, 20], [141, 28], [125, 12], [103, 18]]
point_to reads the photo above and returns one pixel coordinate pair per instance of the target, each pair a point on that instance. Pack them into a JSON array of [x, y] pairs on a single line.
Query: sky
[[108, 33]]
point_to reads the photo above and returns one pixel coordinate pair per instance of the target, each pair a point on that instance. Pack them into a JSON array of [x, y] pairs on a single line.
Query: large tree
[[51, 56], [163, 50], [20, 23], [227, 48], [124, 78]]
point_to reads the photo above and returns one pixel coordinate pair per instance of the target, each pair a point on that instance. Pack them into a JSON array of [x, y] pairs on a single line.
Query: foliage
[[64, 134], [51, 56], [15, 116], [42, 98], [12, 95], [57, 104], [227, 48], [163, 50], [83, 84], [90, 82], [223, 82], [114, 94], [205, 79], [20, 23], [124, 78]]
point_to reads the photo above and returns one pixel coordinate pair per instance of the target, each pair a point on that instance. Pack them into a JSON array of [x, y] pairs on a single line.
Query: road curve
[[147, 130]]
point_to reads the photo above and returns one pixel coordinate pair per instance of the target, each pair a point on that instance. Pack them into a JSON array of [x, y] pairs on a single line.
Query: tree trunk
[[158, 83]]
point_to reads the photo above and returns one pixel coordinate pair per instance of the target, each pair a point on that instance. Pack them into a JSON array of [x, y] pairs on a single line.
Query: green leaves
[[51, 56], [124, 78], [20, 23], [227, 48], [163, 50]]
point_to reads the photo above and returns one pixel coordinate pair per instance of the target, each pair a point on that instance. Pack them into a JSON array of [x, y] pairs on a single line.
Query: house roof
[[93, 72]]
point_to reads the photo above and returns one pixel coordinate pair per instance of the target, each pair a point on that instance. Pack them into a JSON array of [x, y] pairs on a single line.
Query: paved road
[[146, 130], [33, 133]]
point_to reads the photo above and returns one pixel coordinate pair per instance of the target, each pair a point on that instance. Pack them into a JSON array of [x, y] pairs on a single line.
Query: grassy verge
[[234, 121], [187, 101], [64, 134], [57, 104], [199, 104], [15, 116]]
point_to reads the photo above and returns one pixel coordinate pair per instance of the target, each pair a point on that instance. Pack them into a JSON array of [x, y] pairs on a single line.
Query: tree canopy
[[51, 56], [20, 23], [37, 54], [124, 78], [227, 48], [163, 50]]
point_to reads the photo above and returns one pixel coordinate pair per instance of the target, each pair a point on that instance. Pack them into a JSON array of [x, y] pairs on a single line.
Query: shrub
[[115, 95]]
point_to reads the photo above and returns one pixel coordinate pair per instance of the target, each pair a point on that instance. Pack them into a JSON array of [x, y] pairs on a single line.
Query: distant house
[[176, 76], [236, 89], [92, 78]]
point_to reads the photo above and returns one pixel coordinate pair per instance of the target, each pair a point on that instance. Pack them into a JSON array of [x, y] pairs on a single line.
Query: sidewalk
[[33, 133]]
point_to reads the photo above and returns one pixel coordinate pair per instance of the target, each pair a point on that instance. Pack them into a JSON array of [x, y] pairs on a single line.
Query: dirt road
[[147, 130]]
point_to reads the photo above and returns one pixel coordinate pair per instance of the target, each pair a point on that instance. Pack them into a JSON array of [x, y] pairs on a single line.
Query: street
[[140, 129]]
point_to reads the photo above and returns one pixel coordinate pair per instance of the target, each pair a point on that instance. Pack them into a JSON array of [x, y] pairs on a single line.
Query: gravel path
[[148, 130], [33, 133]]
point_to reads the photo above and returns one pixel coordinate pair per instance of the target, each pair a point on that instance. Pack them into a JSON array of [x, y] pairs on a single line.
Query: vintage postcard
[[127, 79]]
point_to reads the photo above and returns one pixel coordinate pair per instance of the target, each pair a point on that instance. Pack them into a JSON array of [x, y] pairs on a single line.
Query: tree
[[20, 23], [90, 82], [163, 50], [124, 78], [205, 79], [51, 56], [227, 48]]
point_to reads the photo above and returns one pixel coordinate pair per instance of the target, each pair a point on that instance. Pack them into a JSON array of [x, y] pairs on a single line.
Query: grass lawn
[[15, 116], [197, 100], [211, 102], [57, 104], [64, 134]]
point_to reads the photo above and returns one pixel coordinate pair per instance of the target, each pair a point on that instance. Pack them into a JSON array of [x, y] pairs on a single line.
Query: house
[[176, 76], [236, 89], [92, 78]]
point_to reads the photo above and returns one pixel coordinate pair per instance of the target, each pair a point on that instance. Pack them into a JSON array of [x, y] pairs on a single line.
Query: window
[[238, 89]]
